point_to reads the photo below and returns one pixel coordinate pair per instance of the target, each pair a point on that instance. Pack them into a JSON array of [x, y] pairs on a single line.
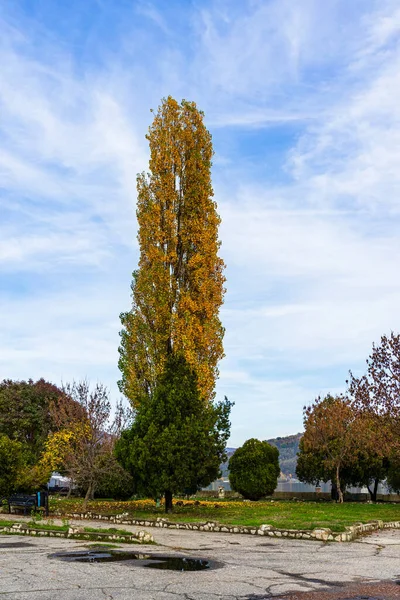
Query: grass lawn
[[281, 514]]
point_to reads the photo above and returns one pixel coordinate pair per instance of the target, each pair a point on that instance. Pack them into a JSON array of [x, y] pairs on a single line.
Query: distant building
[[58, 483]]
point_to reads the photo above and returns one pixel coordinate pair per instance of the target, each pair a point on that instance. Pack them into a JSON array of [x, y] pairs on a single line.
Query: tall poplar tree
[[179, 285]]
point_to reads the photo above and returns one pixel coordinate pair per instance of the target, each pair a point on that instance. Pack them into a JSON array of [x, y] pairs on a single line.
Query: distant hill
[[288, 447], [224, 466]]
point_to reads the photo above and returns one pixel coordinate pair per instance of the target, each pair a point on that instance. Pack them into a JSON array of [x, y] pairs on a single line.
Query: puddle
[[16, 545], [97, 556], [178, 564], [171, 563], [267, 544]]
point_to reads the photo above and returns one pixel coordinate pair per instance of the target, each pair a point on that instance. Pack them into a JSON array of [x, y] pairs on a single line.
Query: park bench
[[22, 501], [28, 501]]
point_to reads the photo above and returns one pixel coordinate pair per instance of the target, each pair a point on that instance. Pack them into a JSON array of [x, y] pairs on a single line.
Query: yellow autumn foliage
[[178, 288], [62, 444]]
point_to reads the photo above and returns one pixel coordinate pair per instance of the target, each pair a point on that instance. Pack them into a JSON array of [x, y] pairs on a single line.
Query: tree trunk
[[376, 483], [168, 501], [373, 493], [339, 489], [333, 491], [88, 496]]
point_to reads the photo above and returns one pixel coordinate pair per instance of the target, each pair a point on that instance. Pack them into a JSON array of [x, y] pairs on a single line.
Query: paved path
[[253, 568]]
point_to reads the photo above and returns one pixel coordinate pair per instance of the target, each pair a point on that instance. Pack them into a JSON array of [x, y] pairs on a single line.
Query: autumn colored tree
[[377, 394], [82, 447], [178, 288], [365, 467], [331, 435]]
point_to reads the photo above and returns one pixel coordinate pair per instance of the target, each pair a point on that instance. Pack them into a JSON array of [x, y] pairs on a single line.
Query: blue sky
[[302, 101]]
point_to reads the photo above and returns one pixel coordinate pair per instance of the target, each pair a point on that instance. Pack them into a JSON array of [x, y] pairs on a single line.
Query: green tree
[[12, 463], [310, 466], [25, 412], [254, 469], [393, 476], [365, 468], [115, 482], [368, 470], [178, 288], [177, 441]]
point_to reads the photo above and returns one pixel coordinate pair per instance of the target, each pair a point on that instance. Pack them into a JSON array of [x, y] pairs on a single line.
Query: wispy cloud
[[302, 104]]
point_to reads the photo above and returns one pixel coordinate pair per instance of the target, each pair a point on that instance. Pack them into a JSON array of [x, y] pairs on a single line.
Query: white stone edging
[[73, 532], [319, 533]]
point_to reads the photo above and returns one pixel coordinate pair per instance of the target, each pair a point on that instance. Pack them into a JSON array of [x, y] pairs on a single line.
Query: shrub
[[254, 469]]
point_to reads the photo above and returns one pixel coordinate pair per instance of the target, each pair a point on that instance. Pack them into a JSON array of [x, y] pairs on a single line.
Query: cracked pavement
[[253, 568]]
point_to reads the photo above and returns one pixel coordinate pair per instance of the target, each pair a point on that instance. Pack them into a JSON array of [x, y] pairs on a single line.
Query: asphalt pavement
[[243, 567]]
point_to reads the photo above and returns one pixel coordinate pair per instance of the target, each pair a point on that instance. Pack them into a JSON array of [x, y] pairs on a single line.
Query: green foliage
[[393, 476], [115, 482], [254, 469], [310, 466], [368, 471], [25, 413], [12, 462], [177, 440]]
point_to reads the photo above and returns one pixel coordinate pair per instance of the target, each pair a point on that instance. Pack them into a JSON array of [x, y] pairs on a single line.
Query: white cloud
[[312, 257], [312, 264]]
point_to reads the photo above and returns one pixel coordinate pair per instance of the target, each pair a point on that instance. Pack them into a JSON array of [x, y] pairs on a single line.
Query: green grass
[[34, 525], [52, 527], [101, 546], [4, 523], [47, 526], [281, 514], [111, 530]]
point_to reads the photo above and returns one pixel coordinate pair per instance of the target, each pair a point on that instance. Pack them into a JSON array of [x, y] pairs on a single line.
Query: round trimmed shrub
[[254, 469]]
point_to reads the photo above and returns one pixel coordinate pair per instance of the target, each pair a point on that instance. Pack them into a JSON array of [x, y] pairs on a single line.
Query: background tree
[[254, 469], [393, 476], [332, 434], [310, 466], [377, 395], [369, 469], [83, 446], [177, 442], [12, 464], [365, 468], [25, 413], [178, 288], [115, 482]]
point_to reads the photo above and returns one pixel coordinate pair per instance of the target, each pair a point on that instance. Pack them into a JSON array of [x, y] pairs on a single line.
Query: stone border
[[319, 533], [78, 533]]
